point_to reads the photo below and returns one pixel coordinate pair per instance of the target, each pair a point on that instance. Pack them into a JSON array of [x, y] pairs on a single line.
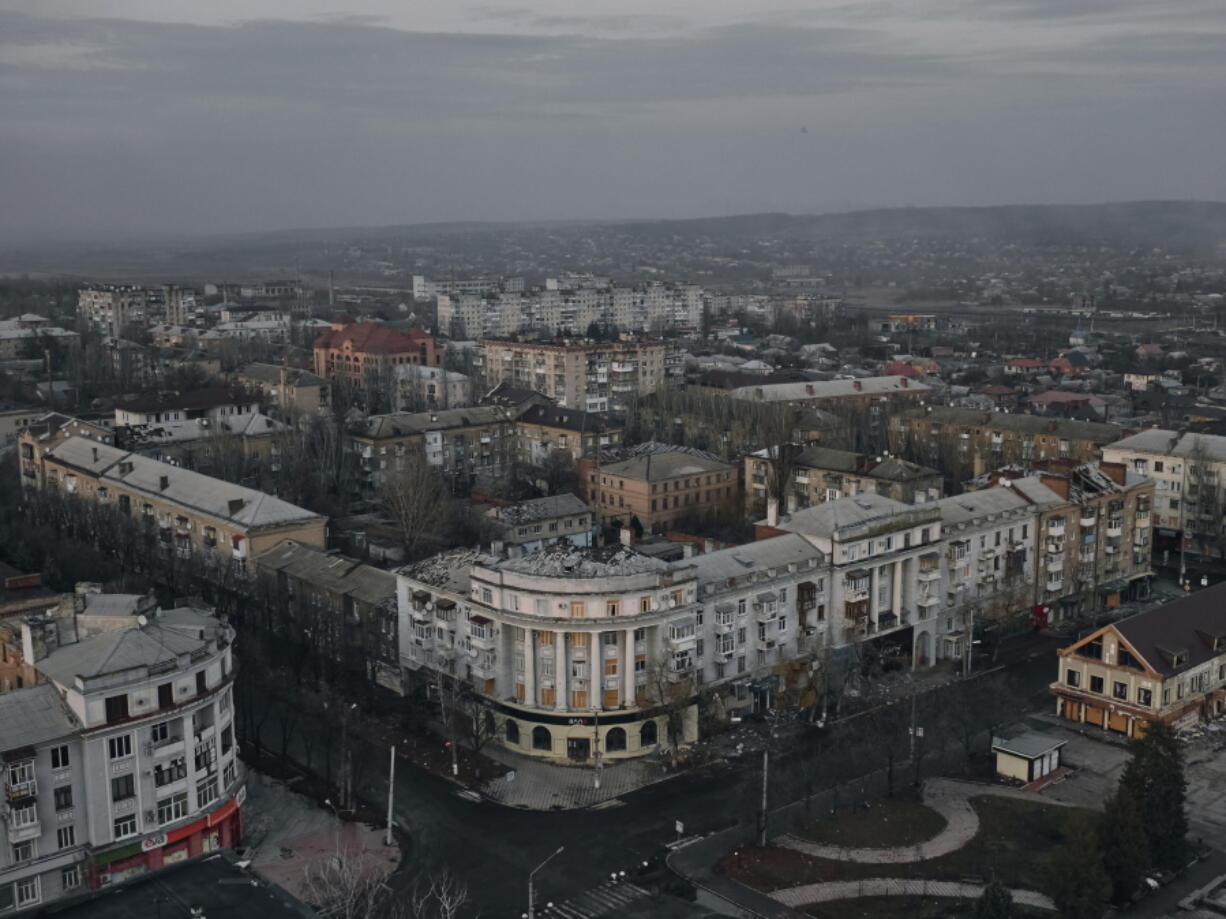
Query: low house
[[530, 526], [1027, 757]]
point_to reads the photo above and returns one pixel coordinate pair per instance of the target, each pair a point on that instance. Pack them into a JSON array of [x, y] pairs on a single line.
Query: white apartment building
[[124, 760], [989, 564], [583, 654], [885, 571]]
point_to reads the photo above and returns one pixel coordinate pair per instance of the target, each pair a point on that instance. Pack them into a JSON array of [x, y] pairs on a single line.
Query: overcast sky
[[135, 116]]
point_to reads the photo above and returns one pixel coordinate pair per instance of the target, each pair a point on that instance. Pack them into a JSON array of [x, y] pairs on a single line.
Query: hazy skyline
[[143, 117]]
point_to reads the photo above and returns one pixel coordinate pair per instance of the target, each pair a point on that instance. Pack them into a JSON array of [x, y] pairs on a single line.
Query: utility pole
[[762, 816], [391, 791]]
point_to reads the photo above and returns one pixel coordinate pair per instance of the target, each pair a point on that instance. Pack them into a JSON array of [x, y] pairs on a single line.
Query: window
[[1096, 684], [229, 774], [170, 771], [123, 787], [21, 774], [125, 826], [201, 683], [59, 757], [649, 734], [541, 738], [116, 709], [511, 730], [1120, 690], [576, 609], [644, 604], [166, 695], [63, 797], [120, 746], [70, 877], [1145, 697], [206, 792], [66, 837], [159, 733], [25, 815], [227, 739], [28, 892], [172, 808], [1072, 678], [615, 740]]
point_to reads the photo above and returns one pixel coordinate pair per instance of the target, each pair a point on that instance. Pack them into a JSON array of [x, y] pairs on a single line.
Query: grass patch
[[886, 824], [1013, 840], [909, 908]]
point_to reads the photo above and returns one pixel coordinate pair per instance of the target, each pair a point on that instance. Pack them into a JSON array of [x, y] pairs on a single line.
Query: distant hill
[[1168, 224], [1195, 228]]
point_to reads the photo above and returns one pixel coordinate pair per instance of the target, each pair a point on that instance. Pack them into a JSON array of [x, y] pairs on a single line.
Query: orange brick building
[[361, 352]]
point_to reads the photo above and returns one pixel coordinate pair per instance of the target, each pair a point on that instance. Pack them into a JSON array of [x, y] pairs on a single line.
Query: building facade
[[658, 486], [1189, 475], [124, 760], [1165, 664], [362, 354], [818, 474], [592, 376], [192, 515]]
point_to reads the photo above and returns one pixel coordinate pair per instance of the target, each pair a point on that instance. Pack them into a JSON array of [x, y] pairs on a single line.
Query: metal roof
[[33, 716]]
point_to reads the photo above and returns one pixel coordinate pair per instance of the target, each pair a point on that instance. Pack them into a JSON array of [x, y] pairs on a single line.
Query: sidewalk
[[896, 887], [535, 785], [291, 835]]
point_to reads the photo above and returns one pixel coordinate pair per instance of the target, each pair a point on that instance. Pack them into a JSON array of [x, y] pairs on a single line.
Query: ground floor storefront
[[221, 828], [1130, 722]]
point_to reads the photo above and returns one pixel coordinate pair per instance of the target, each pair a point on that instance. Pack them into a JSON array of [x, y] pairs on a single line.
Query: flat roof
[[213, 882], [1030, 745]]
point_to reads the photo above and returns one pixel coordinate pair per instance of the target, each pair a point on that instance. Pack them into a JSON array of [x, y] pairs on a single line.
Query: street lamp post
[[532, 875]]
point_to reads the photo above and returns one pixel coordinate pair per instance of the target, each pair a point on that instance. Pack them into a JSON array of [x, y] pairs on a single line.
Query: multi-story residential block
[[194, 515], [545, 430], [600, 653], [416, 388], [344, 609], [988, 565], [1189, 474], [29, 335], [290, 389], [1094, 544], [831, 395], [593, 376], [214, 405], [1166, 664], [111, 307], [464, 444], [47, 433], [124, 760], [362, 354], [884, 565], [13, 420], [964, 443], [529, 526], [652, 486], [818, 474]]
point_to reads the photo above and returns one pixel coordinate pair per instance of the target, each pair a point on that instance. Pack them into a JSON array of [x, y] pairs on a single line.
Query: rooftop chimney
[[772, 512], [163, 482], [857, 385], [235, 505]]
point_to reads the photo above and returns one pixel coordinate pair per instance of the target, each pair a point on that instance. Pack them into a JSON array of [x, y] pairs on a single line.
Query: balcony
[[766, 644], [483, 641], [16, 791], [1055, 563], [1142, 519], [680, 641], [887, 621], [1115, 529], [724, 626], [1055, 528], [1088, 520], [929, 575], [766, 612], [23, 824]]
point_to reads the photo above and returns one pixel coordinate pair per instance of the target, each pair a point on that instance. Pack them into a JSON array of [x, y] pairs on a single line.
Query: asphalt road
[[492, 848]]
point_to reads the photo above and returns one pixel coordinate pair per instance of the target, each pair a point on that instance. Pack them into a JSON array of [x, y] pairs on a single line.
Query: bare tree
[[418, 499], [349, 887]]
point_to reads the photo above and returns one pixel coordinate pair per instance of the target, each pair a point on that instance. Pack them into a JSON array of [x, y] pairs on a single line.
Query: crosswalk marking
[[607, 899]]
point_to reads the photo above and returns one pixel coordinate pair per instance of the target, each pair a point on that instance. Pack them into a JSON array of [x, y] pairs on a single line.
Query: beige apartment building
[[658, 486], [1189, 474], [292, 390], [194, 515], [1094, 545], [593, 376]]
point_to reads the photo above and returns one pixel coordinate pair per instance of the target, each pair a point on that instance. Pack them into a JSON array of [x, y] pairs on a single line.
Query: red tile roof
[[374, 339]]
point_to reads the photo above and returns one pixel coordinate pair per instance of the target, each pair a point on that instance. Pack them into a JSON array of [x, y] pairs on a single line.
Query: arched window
[[615, 740], [512, 729], [541, 739], [648, 734]]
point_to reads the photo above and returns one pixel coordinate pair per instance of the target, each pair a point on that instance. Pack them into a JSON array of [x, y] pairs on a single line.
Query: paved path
[[895, 887], [545, 786], [948, 797]]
